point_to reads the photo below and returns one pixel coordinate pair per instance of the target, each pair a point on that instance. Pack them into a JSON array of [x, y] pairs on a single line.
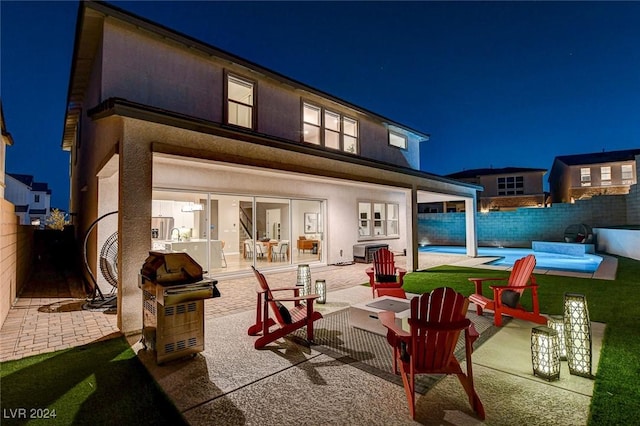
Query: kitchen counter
[[196, 248]]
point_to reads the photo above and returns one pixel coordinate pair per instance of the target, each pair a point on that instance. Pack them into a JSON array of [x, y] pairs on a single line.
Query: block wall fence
[[16, 243], [518, 228], [633, 198]]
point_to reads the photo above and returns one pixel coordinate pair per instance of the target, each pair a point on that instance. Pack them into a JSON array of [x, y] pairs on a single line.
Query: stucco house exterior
[[201, 151], [506, 188], [581, 176]]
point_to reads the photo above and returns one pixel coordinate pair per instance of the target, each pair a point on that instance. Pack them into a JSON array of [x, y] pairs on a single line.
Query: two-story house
[[32, 199], [202, 151], [581, 176], [506, 188]]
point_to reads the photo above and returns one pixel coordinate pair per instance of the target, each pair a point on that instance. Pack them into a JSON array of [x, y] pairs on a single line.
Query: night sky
[[496, 84]]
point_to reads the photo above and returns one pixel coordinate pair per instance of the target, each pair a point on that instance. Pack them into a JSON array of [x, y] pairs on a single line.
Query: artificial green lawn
[[616, 397], [97, 384]]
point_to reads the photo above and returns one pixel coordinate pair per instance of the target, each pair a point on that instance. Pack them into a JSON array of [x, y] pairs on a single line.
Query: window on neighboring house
[[397, 140], [36, 198], [605, 175], [378, 219], [585, 176], [240, 102], [329, 128], [627, 172], [511, 185]]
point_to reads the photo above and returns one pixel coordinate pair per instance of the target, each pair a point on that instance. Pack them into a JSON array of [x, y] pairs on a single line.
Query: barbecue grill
[[173, 293]]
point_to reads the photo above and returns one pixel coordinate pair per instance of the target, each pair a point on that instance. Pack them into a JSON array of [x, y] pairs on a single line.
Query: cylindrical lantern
[[545, 353], [557, 323], [307, 289], [577, 330], [304, 279], [321, 290]]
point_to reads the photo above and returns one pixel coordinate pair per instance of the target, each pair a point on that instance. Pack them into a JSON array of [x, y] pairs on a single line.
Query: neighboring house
[[507, 188], [7, 140], [201, 151], [581, 176], [32, 200]]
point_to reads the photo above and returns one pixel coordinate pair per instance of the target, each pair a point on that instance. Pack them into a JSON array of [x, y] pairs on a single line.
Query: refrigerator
[[161, 228]]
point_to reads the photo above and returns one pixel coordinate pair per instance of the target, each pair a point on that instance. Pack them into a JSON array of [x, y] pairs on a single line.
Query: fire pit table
[[365, 315]]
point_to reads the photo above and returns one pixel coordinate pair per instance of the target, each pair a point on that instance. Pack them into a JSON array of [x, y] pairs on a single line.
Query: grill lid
[[171, 268]]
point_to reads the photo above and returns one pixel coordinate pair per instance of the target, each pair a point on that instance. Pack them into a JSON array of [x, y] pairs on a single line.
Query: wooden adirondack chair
[[286, 320], [385, 277], [437, 318], [506, 298]]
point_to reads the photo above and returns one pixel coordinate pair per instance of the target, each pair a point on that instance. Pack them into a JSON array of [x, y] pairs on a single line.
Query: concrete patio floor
[[231, 383]]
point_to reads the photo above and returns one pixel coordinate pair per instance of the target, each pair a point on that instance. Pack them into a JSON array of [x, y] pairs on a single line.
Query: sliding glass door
[[308, 230], [273, 232], [228, 233]]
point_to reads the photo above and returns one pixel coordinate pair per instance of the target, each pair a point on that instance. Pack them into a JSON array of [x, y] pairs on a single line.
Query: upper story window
[[36, 198], [240, 101], [331, 130], [328, 128], [627, 172], [397, 140], [350, 127], [585, 176], [511, 185], [605, 175]]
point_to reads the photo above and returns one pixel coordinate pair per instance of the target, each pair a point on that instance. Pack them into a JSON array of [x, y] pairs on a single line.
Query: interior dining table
[[268, 245]]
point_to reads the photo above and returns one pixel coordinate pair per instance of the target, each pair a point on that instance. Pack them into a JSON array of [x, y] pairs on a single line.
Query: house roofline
[[471, 173], [602, 157], [193, 43], [129, 109]]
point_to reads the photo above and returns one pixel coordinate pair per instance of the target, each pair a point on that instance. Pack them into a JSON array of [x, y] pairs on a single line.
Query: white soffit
[[208, 165]]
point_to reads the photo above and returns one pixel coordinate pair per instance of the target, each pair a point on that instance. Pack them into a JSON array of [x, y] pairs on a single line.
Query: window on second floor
[[350, 137], [240, 102], [511, 185], [605, 175], [397, 140], [329, 128], [627, 172], [36, 198], [585, 176]]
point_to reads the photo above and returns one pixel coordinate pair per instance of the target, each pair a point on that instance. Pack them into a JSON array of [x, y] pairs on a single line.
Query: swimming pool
[[562, 262]]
